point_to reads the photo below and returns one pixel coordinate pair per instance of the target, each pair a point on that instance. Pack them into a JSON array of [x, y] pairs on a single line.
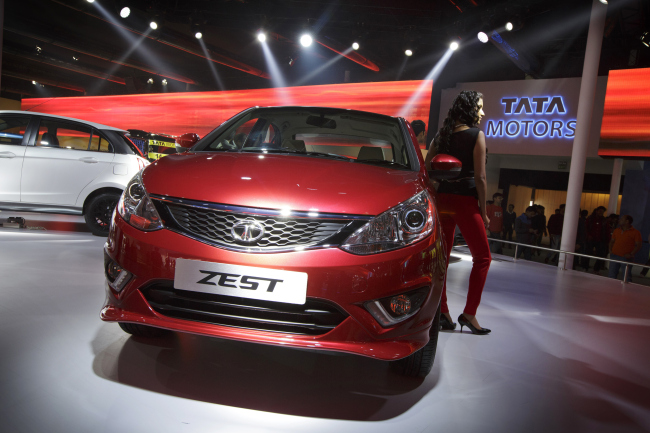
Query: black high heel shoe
[[446, 324], [464, 322]]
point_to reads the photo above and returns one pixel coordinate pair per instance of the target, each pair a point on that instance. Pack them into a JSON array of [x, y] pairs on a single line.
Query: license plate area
[[241, 281]]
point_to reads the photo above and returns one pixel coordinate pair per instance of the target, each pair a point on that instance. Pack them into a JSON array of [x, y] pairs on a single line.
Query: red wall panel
[[200, 112], [625, 131]]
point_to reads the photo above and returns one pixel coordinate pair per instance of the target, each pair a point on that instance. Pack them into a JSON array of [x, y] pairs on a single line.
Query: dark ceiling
[[73, 48]]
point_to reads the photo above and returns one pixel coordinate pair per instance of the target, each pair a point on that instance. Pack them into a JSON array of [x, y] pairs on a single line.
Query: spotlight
[[34, 82], [38, 49], [482, 37], [509, 26], [90, 1], [164, 82], [355, 46], [150, 81], [153, 25], [645, 39], [453, 46], [198, 35], [125, 12], [75, 58], [306, 40], [409, 53], [603, 2], [261, 36]]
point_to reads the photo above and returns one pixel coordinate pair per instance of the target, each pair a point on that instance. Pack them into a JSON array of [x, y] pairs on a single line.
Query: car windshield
[[323, 133]]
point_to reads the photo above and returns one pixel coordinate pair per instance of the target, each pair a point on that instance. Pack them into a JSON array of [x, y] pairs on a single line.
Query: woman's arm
[[430, 154], [479, 175]]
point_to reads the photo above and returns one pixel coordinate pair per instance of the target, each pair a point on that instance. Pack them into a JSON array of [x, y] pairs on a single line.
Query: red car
[[296, 226]]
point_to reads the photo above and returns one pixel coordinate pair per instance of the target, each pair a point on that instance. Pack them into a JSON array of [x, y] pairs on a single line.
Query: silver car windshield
[[325, 133]]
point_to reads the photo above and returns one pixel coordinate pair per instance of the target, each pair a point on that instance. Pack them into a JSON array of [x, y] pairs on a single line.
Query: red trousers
[[463, 211]]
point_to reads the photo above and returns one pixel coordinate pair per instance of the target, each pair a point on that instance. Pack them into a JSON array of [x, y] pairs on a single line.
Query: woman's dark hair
[[465, 110]]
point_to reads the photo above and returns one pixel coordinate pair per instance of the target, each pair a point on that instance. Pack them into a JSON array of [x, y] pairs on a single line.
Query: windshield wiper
[[329, 155], [381, 162]]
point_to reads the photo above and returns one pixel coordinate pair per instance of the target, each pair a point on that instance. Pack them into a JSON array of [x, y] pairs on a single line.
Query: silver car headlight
[[136, 207], [403, 225]]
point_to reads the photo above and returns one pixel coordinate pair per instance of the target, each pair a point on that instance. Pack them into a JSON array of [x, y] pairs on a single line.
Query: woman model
[[461, 201]]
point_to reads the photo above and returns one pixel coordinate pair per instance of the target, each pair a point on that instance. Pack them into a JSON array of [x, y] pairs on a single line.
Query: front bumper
[[333, 275]]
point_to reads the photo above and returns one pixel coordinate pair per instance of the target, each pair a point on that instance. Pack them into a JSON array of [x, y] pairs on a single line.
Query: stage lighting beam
[[509, 26], [198, 35], [483, 37], [306, 40], [153, 25], [355, 46], [453, 46], [408, 53], [125, 12], [261, 36]]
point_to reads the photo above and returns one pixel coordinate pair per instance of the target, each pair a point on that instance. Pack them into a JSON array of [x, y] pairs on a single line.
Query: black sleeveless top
[[461, 146]]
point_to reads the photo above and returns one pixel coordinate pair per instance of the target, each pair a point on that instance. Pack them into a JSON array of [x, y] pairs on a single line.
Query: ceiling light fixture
[[198, 35], [90, 1], [125, 12], [306, 40], [645, 39], [153, 25], [355, 45], [604, 2], [453, 46], [150, 81], [409, 53], [261, 36], [483, 37], [509, 26], [34, 82], [164, 82]]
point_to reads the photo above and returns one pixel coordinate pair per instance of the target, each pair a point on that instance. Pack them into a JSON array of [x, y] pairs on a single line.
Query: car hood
[[273, 181]]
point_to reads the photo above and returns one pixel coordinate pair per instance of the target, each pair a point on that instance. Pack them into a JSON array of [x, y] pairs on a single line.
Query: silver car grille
[[214, 226]]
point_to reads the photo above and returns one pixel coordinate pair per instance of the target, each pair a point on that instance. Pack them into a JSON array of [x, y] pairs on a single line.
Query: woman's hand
[[486, 220]]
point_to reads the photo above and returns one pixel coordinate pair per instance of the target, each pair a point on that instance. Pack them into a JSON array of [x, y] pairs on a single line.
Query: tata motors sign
[[531, 117], [543, 118]]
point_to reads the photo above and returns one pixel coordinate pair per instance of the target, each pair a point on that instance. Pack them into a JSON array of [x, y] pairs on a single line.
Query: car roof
[[93, 124], [324, 110]]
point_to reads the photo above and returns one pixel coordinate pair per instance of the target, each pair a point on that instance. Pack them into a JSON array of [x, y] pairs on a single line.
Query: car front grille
[[315, 317], [214, 224]]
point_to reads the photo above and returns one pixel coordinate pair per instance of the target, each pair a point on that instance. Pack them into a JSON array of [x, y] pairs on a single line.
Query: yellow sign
[[161, 143], [155, 155]]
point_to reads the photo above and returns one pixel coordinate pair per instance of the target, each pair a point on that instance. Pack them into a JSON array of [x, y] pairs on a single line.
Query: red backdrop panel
[[625, 131], [200, 112]]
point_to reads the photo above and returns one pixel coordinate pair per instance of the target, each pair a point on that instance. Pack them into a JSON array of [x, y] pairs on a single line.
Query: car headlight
[[136, 207], [403, 225]]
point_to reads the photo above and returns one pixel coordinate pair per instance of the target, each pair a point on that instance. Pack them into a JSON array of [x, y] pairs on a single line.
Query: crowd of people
[[598, 235]]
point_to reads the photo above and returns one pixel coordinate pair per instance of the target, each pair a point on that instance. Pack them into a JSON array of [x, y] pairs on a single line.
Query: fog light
[[400, 305], [395, 309], [113, 270], [117, 276]]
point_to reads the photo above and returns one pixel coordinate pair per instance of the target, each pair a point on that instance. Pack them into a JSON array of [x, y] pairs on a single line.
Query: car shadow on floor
[[265, 378]]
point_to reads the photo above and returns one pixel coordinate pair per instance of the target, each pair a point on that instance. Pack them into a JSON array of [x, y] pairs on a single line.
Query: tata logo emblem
[[247, 232]]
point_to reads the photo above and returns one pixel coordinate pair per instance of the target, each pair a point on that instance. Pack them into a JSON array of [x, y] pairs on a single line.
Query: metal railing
[[628, 265]]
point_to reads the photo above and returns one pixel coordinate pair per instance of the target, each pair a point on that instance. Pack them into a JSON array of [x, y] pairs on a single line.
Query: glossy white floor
[[568, 352]]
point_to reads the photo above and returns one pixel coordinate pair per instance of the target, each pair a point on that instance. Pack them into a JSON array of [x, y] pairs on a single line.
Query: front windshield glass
[[323, 133]]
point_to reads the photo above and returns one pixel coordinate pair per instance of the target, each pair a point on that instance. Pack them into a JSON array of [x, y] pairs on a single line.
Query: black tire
[[419, 364], [142, 330], [99, 212]]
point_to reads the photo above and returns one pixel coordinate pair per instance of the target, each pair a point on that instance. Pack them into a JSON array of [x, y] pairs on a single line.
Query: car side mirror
[[445, 167], [187, 140]]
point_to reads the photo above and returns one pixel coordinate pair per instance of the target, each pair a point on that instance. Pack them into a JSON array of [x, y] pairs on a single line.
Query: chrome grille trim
[[258, 211], [211, 223]]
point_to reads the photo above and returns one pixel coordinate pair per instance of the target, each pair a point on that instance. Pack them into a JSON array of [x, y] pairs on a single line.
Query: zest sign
[[533, 118]]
